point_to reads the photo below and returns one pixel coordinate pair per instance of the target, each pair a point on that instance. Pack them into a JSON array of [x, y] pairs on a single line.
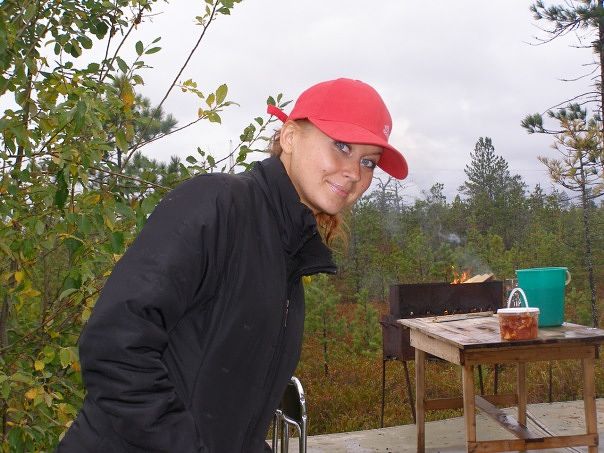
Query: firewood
[[479, 278]]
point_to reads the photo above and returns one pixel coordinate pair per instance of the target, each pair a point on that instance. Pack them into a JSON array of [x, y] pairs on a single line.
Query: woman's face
[[328, 175]]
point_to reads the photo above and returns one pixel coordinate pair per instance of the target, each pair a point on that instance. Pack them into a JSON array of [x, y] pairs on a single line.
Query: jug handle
[[517, 290], [567, 278]]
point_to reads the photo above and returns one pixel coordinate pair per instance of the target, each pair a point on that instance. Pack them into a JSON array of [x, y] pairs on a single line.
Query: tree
[[432, 214], [60, 233], [142, 122], [580, 170], [365, 326], [578, 161], [495, 197], [574, 16], [322, 315]]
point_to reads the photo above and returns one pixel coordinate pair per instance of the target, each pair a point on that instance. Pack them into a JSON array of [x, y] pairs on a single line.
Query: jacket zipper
[[253, 426], [277, 356], [286, 314]]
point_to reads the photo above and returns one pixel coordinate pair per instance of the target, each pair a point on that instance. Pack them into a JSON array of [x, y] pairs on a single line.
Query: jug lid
[[512, 310]]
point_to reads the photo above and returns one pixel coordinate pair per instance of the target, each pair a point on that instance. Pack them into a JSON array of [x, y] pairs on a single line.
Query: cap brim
[[391, 160]]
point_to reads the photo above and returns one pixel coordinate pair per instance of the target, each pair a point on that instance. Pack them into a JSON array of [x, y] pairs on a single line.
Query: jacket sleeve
[[172, 263]]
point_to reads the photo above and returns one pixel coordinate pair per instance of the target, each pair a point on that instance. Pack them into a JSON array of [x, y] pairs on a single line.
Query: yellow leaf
[[75, 366], [31, 393], [29, 292], [306, 279], [38, 365], [85, 314], [94, 198], [108, 223], [127, 96], [19, 276]]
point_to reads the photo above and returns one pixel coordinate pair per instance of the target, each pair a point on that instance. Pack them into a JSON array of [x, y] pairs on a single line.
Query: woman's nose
[[352, 169]]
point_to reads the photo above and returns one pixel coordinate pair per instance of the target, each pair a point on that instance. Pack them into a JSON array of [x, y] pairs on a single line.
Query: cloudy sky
[[449, 72]]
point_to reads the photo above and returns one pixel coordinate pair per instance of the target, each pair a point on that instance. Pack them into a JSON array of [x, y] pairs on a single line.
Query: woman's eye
[[368, 163], [342, 147]]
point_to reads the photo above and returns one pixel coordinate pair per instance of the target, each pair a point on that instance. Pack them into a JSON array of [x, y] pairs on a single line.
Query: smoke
[[473, 263], [451, 238]]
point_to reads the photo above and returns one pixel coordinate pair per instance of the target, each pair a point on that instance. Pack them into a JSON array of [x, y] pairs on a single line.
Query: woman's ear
[[287, 137]]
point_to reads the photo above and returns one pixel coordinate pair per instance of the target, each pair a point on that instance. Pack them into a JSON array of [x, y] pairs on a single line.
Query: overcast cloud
[[449, 72]]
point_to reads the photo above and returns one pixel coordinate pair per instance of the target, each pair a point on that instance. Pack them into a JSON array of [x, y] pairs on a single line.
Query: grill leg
[[549, 370], [383, 391], [409, 391], [480, 382]]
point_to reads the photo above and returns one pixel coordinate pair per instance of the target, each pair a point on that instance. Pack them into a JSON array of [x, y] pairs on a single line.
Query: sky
[[449, 72]]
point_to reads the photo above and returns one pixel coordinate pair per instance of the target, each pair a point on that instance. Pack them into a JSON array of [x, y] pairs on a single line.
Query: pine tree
[[580, 170], [322, 316], [494, 196], [584, 18]]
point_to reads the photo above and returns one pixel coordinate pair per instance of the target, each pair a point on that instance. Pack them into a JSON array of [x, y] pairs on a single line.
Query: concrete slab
[[449, 435]]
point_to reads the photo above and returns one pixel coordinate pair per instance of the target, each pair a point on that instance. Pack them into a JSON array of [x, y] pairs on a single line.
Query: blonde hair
[[330, 226]]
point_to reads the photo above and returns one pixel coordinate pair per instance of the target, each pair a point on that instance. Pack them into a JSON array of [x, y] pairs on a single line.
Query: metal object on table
[[450, 318]]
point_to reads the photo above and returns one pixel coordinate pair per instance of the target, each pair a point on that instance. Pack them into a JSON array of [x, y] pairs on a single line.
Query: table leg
[[589, 398], [469, 407], [521, 392], [420, 393]]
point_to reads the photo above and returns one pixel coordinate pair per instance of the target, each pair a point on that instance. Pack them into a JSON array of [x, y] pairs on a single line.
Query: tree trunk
[[4, 322], [3, 343], [588, 253], [325, 365], [355, 255], [601, 55]]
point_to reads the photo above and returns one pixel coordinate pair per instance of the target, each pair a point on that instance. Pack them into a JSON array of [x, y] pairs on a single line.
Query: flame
[[459, 278]]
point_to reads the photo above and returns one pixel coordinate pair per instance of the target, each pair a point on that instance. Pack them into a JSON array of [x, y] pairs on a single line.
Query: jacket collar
[[296, 221]]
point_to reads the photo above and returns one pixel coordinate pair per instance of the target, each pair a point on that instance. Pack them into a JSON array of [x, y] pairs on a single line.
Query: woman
[[199, 327]]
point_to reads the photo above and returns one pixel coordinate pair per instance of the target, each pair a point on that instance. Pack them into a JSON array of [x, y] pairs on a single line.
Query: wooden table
[[473, 341]]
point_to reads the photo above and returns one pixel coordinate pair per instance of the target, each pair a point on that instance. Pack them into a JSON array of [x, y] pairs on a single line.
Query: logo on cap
[[386, 131]]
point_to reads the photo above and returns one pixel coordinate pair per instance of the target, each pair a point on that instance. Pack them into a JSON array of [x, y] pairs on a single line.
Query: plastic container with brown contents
[[518, 323]]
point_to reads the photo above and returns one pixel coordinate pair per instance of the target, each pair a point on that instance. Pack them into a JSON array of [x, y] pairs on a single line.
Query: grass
[[349, 397]]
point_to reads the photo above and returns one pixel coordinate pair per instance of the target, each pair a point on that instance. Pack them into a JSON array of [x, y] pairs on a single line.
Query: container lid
[[513, 310]]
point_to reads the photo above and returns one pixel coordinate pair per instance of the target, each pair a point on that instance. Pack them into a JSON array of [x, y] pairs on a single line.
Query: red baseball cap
[[352, 112]]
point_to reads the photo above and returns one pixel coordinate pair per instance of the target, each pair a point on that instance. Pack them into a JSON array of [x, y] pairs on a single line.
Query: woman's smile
[[338, 189]]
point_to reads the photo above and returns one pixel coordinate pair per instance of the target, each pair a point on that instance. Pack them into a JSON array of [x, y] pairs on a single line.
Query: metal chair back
[[291, 412]]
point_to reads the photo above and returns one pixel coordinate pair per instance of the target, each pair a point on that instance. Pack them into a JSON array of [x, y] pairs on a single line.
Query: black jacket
[[199, 327]]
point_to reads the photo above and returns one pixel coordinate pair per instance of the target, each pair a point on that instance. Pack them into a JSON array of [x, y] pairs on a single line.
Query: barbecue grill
[[430, 299]]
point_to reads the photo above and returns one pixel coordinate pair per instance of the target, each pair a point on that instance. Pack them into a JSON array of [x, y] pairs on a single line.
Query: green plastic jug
[[544, 288]]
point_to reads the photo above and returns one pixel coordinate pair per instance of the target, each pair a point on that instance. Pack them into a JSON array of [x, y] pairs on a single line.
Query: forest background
[[76, 188]]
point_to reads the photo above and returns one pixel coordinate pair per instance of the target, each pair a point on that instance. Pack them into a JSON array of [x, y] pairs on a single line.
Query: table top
[[483, 332]]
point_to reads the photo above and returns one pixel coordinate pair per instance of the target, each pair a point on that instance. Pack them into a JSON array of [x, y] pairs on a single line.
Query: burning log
[[464, 277], [479, 278]]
